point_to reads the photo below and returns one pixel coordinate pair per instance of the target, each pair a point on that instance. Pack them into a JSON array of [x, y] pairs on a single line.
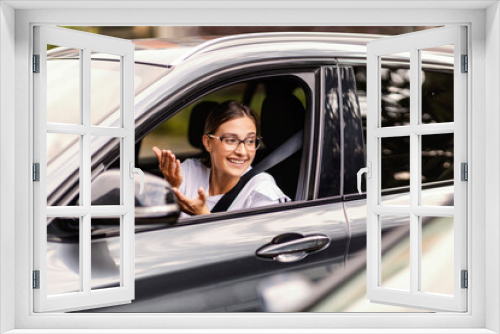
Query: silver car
[[308, 83]]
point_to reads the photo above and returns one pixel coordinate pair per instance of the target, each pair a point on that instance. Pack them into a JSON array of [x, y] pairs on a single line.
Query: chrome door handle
[[293, 250]]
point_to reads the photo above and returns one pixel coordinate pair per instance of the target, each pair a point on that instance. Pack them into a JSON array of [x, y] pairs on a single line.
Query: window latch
[[133, 171], [368, 171]]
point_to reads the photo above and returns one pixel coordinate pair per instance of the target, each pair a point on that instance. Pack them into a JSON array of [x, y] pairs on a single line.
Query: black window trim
[[320, 130]]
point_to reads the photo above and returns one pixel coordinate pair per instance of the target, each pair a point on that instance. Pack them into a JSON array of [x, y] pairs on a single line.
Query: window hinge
[[36, 279], [36, 63], [36, 172], [465, 64], [465, 279], [464, 171]]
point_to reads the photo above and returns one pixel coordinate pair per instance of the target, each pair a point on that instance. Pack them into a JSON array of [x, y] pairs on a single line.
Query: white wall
[[7, 189], [485, 106], [492, 152]]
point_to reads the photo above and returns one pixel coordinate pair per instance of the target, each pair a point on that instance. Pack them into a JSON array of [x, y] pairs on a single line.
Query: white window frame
[[412, 44], [87, 297], [484, 103]]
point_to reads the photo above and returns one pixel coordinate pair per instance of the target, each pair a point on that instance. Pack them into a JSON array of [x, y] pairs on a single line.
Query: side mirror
[[157, 202], [156, 207]]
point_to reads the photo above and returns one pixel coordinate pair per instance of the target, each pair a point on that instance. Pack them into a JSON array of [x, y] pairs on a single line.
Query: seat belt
[[285, 150]]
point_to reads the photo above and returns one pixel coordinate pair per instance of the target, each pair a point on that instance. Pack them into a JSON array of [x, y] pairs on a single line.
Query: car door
[[210, 263]]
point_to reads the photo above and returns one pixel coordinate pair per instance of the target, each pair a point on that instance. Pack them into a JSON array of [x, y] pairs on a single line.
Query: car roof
[[171, 52], [157, 57]]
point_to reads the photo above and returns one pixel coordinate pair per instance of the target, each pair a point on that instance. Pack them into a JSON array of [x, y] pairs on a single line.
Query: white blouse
[[261, 190]]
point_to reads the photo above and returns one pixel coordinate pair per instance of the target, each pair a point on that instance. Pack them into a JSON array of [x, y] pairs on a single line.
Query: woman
[[230, 139]]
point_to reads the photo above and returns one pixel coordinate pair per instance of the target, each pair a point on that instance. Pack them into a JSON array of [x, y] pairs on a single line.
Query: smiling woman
[[199, 184]]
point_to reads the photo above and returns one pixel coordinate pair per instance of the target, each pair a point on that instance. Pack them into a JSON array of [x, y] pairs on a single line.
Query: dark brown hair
[[227, 111], [221, 114]]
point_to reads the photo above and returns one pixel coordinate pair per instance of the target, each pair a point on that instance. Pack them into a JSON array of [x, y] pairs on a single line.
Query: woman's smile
[[237, 162]]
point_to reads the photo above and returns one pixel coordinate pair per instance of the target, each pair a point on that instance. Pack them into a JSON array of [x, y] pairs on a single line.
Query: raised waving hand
[[170, 166]]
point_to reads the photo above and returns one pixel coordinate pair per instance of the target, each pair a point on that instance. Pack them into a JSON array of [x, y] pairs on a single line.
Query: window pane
[[63, 85], [437, 169], [63, 169], [437, 257], [106, 252], [395, 89], [63, 255], [437, 85], [105, 90], [395, 169], [395, 252], [106, 186]]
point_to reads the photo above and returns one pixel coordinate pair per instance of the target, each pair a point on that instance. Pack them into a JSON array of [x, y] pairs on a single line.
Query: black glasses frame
[[259, 139]]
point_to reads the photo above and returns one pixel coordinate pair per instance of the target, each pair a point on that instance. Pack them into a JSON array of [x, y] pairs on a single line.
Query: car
[[307, 84]]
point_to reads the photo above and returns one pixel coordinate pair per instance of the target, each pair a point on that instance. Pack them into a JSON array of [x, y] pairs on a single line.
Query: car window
[[437, 107], [271, 98]]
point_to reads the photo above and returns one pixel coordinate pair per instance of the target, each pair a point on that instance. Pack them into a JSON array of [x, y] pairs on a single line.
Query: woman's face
[[232, 163]]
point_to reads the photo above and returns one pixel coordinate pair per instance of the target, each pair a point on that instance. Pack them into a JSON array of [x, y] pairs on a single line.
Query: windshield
[[63, 96]]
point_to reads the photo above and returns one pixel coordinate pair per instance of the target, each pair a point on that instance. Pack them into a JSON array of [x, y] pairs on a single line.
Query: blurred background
[[182, 33]]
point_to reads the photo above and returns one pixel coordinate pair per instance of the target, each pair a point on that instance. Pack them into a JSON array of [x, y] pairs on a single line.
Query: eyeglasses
[[231, 143]]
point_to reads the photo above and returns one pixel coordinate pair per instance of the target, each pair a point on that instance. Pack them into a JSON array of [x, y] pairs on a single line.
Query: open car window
[[280, 104], [156, 207]]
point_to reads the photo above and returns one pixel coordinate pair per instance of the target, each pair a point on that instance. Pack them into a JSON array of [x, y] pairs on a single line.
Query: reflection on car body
[[315, 82]]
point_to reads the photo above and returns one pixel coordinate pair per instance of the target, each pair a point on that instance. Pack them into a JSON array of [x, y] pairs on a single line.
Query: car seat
[[281, 117], [199, 115]]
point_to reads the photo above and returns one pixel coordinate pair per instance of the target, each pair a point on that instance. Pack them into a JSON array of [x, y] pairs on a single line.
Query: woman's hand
[[195, 206], [169, 166]]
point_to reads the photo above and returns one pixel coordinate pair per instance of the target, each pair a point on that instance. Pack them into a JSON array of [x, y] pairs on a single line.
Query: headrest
[[199, 115], [281, 117]]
